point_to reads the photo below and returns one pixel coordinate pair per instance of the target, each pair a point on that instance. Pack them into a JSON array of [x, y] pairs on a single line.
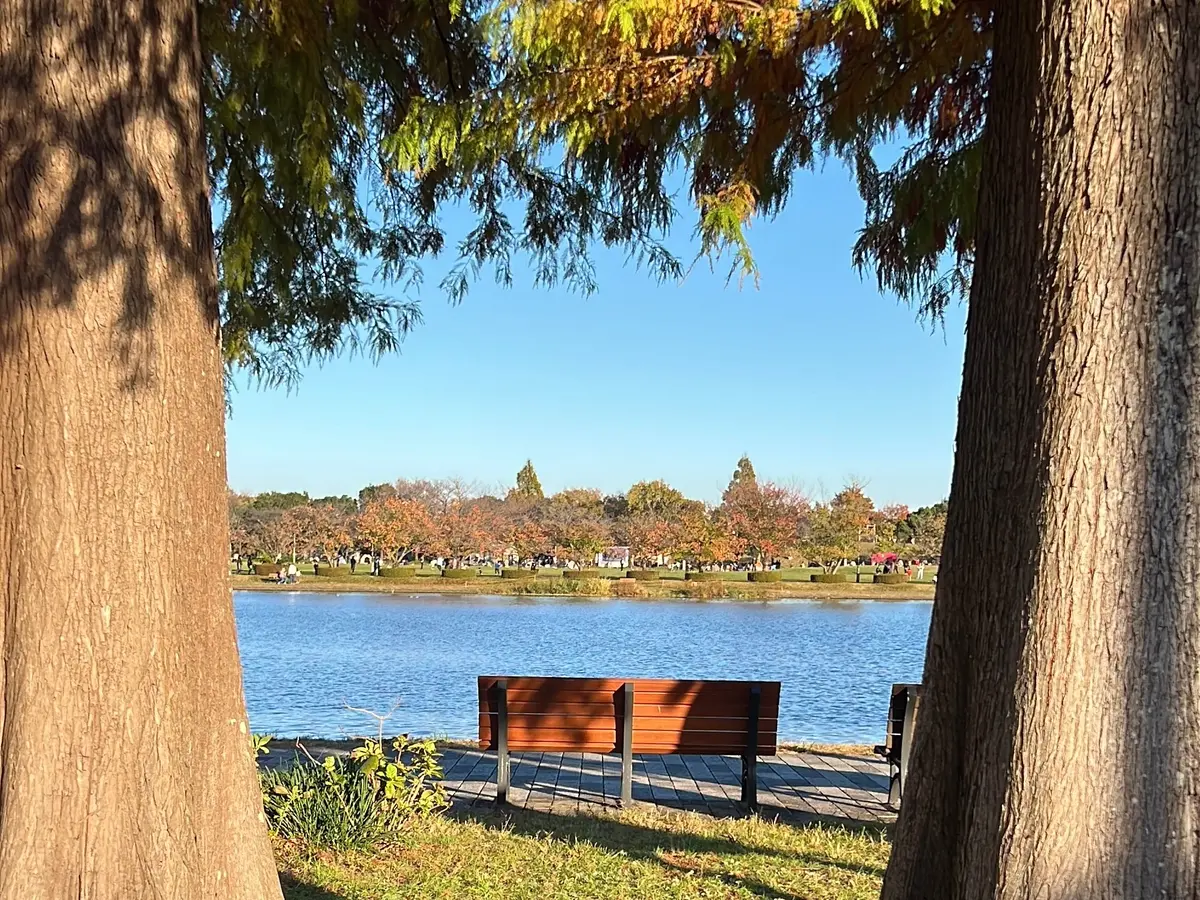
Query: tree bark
[[124, 762], [1058, 752]]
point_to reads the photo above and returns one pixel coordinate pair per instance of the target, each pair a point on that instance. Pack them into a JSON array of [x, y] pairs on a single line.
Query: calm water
[[306, 655]]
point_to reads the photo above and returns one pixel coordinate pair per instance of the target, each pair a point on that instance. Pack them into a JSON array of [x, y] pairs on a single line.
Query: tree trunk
[[124, 762], [1058, 753]]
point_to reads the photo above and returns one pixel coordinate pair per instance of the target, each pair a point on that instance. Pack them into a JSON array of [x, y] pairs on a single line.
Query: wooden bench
[[902, 719], [628, 716]]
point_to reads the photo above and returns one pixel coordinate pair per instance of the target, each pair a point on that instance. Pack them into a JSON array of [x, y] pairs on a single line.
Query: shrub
[[333, 571], [355, 802], [403, 572], [705, 590], [702, 576], [643, 574], [590, 573], [891, 578], [266, 568], [517, 573], [623, 587], [830, 578], [768, 576], [560, 587], [459, 574]]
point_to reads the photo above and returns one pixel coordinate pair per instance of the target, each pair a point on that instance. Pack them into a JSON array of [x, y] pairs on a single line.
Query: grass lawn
[[640, 854]]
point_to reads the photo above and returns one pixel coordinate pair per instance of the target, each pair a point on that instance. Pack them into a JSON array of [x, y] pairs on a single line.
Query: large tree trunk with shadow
[[124, 763], [1058, 750]]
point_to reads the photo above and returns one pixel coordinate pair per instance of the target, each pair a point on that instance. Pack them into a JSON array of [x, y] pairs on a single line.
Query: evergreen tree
[[528, 486]]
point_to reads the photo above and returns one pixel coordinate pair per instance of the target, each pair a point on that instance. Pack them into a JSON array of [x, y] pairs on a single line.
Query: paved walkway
[[797, 786]]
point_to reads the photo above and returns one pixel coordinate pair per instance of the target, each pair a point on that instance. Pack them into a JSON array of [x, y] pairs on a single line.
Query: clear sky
[[815, 374]]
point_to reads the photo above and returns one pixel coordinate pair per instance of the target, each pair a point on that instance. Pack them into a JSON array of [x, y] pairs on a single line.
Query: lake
[[305, 656]]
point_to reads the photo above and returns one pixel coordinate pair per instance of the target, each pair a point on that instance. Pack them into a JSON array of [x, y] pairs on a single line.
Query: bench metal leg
[[750, 755], [627, 744], [502, 761]]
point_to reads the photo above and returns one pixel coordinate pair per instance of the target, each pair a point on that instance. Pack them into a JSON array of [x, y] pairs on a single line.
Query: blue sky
[[814, 374]]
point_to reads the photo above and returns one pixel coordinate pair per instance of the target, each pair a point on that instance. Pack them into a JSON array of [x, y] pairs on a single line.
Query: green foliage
[[342, 503], [740, 97], [743, 474], [768, 576], [528, 487], [266, 569], [276, 500], [259, 744], [655, 497], [403, 573], [891, 578], [355, 802], [460, 574]]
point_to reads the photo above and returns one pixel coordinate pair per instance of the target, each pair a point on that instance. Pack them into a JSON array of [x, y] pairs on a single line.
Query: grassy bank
[[733, 586], [640, 853]]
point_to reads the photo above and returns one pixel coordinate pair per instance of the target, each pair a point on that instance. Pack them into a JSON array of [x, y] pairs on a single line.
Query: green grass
[[640, 854]]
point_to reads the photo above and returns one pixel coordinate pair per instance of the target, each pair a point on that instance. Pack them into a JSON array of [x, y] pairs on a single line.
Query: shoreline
[[326, 746], [666, 589]]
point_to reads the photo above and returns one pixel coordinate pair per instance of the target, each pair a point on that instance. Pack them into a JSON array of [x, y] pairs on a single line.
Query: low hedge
[[580, 574], [517, 573], [459, 574], [401, 572], [769, 576], [333, 571], [891, 578], [643, 574], [827, 578], [702, 576], [266, 568]]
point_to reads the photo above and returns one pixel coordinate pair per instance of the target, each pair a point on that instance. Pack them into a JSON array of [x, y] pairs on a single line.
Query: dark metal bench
[[902, 717], [628, 716]]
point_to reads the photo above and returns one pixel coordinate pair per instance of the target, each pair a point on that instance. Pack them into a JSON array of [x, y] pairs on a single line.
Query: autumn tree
[[1045, 167], [855, 509], [578, 532], [830, 536], [705, 537], [649, 536], [765, 518], [528, 487], [529, 539], [928, 526], [462, 530], [394, 528]]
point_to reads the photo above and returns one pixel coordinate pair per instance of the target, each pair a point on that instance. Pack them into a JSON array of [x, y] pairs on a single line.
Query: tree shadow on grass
[[671, 849], [295, 889]]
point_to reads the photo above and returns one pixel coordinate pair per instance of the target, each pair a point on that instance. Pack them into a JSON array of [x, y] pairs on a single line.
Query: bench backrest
[[587, 714], [898, 714]]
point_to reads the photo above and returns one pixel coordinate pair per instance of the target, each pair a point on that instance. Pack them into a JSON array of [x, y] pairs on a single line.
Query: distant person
[[497, 567], [920, 569], [293, 574], [353, 561], [375, 565]]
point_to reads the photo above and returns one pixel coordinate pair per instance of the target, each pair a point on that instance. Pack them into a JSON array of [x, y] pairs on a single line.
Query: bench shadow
[[547, 778]]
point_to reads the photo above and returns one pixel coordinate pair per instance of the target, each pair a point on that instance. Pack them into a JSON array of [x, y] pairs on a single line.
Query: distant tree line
[[757, 524]]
